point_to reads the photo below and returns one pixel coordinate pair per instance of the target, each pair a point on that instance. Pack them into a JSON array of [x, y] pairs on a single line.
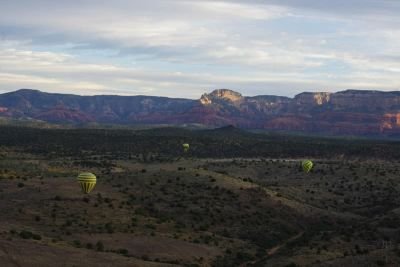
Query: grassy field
[[235, 199]]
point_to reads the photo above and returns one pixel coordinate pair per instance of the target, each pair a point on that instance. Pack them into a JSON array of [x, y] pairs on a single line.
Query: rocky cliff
[[353, 112]]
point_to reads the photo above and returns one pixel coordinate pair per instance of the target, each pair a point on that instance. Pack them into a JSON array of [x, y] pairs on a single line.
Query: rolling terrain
[[235, 199]]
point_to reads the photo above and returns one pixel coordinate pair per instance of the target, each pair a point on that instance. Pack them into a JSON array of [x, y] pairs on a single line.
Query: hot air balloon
[[185, 147], [307, 165], [87, 181]]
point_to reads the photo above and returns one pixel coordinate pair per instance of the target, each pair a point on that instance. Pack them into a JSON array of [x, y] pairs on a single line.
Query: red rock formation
[[64, 115], [348, 112]]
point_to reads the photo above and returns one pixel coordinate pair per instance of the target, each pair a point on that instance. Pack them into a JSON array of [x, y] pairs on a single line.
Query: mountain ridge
[[348, 112]]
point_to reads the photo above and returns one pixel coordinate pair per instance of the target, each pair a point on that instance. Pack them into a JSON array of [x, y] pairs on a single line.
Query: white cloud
[[182, 47], [9, 78], [241, 10]]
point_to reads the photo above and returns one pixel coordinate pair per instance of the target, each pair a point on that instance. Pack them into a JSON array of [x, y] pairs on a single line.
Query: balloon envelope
[[307, 165], [87, 181], [185, 147]]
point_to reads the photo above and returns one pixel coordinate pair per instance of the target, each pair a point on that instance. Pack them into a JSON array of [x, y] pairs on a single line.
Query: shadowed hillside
[[166, 142]]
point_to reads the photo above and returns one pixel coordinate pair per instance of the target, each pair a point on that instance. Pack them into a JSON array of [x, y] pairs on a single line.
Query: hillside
[[235, 199]]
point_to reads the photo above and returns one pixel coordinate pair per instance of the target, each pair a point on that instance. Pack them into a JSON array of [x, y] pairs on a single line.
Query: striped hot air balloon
[[186, 147], [87, 181], [307, 165]]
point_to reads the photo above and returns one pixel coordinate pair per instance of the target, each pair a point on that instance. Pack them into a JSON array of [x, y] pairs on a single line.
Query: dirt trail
[[9, 257], [276, 249]]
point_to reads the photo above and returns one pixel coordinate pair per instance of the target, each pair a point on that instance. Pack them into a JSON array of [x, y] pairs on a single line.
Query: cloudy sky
[[183, 48]]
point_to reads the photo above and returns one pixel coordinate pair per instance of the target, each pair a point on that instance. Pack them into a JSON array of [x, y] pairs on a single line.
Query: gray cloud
[[267, 46], [341, 7]]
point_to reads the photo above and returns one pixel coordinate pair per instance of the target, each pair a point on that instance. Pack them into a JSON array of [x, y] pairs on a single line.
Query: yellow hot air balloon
[[87, 181], [186, 147], [307, 165]]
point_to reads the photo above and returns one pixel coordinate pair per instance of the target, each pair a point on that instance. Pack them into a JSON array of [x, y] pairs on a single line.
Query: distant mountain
[[350, 112]]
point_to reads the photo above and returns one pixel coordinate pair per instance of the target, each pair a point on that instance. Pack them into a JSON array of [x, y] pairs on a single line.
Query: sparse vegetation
[[207, 210]]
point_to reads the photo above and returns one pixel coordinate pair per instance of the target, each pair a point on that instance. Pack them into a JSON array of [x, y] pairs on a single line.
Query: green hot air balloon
[[185, 147], [307, 165], [87, 181]]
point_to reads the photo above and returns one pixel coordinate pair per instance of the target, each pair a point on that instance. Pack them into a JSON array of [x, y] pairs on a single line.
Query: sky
[[184, 48]]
